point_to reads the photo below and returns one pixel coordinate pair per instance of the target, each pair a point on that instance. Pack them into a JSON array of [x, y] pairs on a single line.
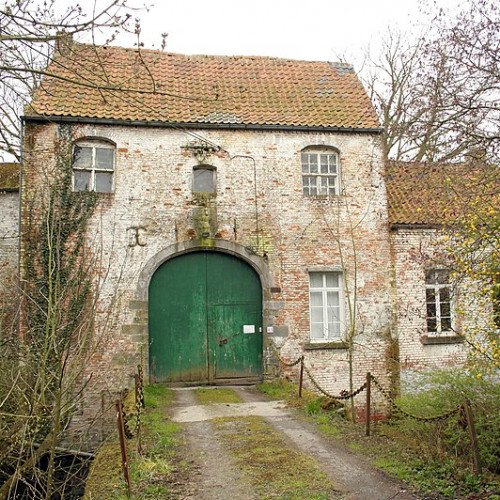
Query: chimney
[[64, 42]]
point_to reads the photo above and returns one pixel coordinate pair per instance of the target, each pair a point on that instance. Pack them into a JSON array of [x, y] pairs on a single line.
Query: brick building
[[242, 211], [9, 241]]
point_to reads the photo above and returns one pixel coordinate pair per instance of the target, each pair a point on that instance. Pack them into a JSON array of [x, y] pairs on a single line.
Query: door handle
[[222, 342]]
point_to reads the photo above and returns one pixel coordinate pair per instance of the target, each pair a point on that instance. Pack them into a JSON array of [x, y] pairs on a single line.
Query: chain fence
[[392, 402], [463, 409], [303, 368]]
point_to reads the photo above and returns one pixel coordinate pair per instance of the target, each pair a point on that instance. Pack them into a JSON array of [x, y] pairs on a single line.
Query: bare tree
[[437, 91], [29, 32]]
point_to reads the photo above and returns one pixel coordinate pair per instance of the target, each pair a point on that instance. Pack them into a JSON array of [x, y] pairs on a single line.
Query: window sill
[[441, 339], [321, 197], [314, 346]]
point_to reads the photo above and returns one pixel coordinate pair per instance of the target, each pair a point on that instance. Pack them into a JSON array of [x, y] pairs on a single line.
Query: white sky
[[305, 29]]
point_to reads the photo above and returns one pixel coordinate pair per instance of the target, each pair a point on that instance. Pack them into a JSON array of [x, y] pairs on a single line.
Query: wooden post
[[476, 459], [368, 401], [123, 445], [301, 376]]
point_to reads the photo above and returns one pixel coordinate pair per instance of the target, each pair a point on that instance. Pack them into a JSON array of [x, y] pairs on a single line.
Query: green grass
[[278, 390], [206, 396], [151, 473], [273, 468]]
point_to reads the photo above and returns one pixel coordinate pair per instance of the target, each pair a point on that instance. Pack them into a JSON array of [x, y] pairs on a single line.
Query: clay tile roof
[[437, 193], [125, 84], [9, 176]]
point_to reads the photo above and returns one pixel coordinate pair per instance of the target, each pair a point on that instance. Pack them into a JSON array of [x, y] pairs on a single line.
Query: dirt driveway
[[255, 448]]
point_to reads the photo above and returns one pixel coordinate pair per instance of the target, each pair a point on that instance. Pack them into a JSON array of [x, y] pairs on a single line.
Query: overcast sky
[[305, 29]]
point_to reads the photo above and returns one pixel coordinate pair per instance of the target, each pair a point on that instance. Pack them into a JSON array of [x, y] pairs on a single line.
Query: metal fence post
[[476, 459], [301, 376], [123, 445], [368, 401]]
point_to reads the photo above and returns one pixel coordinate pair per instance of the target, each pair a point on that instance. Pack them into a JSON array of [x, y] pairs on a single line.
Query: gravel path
[[217, 477]]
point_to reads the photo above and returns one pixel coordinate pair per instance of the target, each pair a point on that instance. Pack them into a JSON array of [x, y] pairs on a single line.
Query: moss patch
[[206, 396], [274, 469], [105, 472]]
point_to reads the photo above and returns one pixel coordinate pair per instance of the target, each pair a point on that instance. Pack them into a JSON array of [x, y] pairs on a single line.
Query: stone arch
[[140, 303], [258, 263]]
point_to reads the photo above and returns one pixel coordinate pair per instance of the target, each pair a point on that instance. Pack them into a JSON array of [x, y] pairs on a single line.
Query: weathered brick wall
[[9, 241], [415, 250], [348, 233]]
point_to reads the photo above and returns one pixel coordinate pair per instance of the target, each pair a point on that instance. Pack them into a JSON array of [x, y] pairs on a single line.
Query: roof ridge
[[337, 64]]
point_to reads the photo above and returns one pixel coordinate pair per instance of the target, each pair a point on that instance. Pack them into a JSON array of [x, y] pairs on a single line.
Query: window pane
[[324, 164], [430, 277], [103, 182], [333, 314], [316, 315], [444, 294], [333, 164], [81, 180], [316, 299], [445, 324], [317, 331], [442, 276], [203, 180], [332, 299], [304, 158], [333, 330], [104, 158], [431, 324], [332, 280], [316, 280], [82, 157], [313, 164], [445, 309], [431, 310]]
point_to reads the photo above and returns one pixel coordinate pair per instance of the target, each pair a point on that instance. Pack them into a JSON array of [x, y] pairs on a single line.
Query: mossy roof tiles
[[126, 84], [9, 176], [438, 193]]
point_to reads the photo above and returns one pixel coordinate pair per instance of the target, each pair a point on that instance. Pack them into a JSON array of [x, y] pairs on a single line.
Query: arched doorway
[[205, 320]]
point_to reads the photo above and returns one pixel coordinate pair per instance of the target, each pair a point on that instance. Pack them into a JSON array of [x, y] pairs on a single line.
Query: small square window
[[204, 179], [320, 173], [93, 166]]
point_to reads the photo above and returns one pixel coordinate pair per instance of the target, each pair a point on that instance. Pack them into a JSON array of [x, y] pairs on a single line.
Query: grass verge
[[273, 468], [206, 396], [157, 473], [392, 449]]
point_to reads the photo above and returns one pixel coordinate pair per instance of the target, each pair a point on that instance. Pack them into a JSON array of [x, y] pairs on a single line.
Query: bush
[[443, 391]]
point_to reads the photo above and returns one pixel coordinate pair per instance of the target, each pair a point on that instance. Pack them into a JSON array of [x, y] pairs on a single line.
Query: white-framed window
[[204, 177], [93, 166], [326, 306], [320, 172], [438, 297]]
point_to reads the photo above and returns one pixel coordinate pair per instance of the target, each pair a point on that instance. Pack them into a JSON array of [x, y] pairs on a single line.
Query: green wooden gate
[[205, 320]]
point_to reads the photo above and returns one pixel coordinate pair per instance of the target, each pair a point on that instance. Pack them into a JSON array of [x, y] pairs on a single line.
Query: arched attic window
[[93, 165], [320, 171], [204, 179]]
